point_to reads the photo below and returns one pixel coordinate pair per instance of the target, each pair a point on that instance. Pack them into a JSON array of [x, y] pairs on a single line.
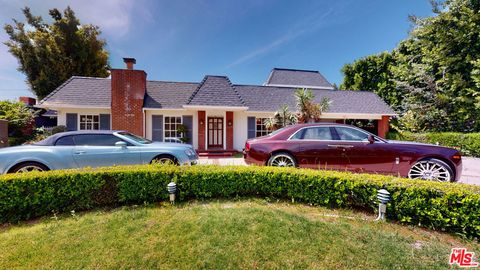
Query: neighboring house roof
[[216, 91], [269, 98], [81, 91], [284, 77]]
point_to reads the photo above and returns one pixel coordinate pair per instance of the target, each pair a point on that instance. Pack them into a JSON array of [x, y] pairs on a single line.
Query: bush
[[467, 143], [442, 206]]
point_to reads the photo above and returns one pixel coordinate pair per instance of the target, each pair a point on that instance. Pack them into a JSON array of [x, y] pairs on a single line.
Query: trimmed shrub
[[442, 206], [467, 143]]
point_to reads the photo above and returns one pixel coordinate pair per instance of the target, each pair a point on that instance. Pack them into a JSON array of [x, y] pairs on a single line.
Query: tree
[[432, 78], [373, 73], [19, 117], [309, 110], [49, 54]]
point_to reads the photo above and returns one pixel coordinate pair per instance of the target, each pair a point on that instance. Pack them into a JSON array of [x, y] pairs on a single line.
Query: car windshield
[[135, 138], [276, 131]]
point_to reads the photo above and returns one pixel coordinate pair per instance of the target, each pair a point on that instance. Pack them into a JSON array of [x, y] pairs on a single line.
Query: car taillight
[[247, 146]]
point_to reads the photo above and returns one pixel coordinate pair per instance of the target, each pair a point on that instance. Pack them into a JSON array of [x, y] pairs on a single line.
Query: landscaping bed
[[233, 234]]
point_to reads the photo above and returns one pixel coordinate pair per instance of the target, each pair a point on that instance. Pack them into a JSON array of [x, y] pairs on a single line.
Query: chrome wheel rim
[[164, 161], [282, 161], [30, 168], [429, 170]]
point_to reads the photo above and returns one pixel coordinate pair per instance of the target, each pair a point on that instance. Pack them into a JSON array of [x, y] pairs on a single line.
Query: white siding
[[62, 114], [148, 122]]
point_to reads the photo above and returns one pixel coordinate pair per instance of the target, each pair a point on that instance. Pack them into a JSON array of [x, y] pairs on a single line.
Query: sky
[[185, 40]]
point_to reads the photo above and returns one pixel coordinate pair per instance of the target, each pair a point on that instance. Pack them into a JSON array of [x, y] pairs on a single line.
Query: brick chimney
[[29, 101], [128, 92]]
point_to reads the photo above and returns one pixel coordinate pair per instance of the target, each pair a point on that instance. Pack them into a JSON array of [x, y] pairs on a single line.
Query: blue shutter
[[251, 127], [105, 121], [157, 128], [72, 119], [187, 121]]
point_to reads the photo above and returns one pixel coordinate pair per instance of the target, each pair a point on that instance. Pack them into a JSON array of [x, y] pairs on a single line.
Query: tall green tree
[[435, 70], [373, 73], [49, 54]]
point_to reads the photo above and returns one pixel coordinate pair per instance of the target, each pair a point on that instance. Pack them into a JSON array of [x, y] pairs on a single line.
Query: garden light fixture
[[383, 197], [172, 188]]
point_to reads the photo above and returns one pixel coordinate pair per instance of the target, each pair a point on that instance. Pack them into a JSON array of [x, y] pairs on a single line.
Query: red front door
[[215, 132]]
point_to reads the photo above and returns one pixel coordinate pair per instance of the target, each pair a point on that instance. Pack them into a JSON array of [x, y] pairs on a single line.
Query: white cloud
[[308, 24]]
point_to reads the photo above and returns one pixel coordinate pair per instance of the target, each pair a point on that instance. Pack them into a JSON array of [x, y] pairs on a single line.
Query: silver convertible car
[[77, 149]]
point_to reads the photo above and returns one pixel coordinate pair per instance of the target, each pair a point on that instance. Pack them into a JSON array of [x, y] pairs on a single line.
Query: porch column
[[201, 130], [383, 126], [229, 123]]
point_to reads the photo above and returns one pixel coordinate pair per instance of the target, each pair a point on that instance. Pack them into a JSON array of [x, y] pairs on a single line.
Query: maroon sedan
[[348, 148]]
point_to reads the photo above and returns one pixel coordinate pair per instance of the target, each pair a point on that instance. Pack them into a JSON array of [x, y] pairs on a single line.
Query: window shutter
[[105, 121], [187, 121], [157, 128], [72, 120], [251, 127]]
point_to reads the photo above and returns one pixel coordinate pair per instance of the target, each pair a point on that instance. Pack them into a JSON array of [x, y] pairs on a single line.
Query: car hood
[[168, 145]]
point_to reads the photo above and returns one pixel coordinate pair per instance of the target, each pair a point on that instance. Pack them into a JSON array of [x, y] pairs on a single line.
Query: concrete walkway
[[470, 171]]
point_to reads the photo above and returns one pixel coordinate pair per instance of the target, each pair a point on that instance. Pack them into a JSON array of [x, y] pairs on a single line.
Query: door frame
[[220, 136]]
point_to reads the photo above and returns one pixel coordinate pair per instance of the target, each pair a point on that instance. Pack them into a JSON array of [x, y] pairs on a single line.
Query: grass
[[246, 234]]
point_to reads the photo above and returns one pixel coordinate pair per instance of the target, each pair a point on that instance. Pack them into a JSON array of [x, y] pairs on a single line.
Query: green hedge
[[467, 143], [443, 206]]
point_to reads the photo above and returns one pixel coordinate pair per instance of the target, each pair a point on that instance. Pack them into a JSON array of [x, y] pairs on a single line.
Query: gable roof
[[216, 91], [81, 91], [212, 91], [360, 102], [298, 78]]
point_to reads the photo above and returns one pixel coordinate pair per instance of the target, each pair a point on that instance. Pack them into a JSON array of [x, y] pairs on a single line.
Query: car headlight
[[189, 152]]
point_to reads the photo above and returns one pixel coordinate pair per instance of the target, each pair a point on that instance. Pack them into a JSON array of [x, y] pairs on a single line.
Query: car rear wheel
[[282, 160], [29, 167], [431, 169]]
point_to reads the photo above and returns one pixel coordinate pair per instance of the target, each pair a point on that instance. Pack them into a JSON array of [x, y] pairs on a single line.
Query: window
[[96, 139], [89, 122], [171, 125], [135, 138], [350, 134], [64, 141], [261, 129], [314, 133]]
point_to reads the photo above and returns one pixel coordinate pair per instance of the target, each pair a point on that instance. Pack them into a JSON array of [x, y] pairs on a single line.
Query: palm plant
[[308, 110], [284, 117]]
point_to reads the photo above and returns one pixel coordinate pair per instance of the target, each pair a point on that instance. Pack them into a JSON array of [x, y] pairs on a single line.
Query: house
[[218, 114]]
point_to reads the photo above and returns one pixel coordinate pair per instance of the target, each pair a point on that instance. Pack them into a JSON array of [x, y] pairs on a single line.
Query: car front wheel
[[29, 167], [282, 160], [431, 169]]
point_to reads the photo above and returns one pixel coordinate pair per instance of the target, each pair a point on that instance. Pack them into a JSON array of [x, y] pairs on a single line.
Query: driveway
[[470, 171]]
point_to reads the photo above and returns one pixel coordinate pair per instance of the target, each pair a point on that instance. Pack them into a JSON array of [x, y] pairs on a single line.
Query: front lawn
[[247, 234]]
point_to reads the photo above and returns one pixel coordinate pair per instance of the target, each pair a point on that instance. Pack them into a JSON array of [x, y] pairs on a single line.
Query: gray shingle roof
[[216, 91], [297, 78], [168, 94], [212, 91], [81, 91], [269, 98]]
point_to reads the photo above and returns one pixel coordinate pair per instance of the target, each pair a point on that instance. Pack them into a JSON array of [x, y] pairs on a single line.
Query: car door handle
[[79, 152]]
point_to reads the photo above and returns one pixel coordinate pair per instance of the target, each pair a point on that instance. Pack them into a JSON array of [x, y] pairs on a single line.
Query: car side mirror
[[121, 144], [371, 139]]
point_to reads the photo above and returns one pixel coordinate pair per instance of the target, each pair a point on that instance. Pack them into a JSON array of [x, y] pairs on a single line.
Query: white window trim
[[165, 122], [88, 114], [256, 130]]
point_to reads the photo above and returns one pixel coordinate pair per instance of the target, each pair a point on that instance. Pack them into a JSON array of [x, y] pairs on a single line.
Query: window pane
[[63, 141], [82, 126], [317, 133], [350, 134], [96, 139]]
